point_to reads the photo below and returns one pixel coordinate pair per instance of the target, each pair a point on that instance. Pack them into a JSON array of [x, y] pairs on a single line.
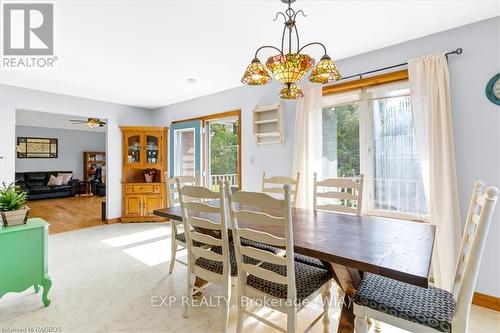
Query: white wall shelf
[[268, 124]]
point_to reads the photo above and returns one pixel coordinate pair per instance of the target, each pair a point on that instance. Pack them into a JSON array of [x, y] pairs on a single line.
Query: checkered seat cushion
[[308, 280], [309, 261], [260, 246], [217, 266], [431, 307], [182, 238], [298, 257]]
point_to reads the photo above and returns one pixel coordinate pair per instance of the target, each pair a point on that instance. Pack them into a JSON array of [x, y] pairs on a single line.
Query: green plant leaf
[[11, 197]]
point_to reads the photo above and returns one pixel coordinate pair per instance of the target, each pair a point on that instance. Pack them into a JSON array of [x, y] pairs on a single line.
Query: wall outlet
[[252, 159]]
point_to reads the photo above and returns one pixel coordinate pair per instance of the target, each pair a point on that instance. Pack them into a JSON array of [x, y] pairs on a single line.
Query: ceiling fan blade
[[74, 121]]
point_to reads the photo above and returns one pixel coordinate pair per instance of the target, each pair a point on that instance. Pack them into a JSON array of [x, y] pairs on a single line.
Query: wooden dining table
[[349, 245]]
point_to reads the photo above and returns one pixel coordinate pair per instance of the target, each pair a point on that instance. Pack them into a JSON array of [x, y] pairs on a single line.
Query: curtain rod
[[360, 75]]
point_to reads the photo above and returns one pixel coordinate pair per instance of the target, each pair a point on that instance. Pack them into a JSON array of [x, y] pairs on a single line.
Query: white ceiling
[[53, 120], [140, 52]]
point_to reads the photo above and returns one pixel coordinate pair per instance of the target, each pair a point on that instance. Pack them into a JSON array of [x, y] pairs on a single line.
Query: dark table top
[[397, 249]]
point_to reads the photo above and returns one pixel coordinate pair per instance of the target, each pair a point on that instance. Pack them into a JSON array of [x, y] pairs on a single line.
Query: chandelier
[[290, 67]]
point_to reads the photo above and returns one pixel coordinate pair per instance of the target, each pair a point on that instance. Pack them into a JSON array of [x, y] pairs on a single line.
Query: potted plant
[[149, 175], [13, 207]]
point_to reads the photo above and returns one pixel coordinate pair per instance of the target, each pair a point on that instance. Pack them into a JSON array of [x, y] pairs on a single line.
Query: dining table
[[349, 245]]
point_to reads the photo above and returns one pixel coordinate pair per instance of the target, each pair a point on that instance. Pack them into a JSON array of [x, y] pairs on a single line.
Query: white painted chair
[[207, 264], [275, 185], [285, 284], [347, 194], [432, 309], [178, 238]]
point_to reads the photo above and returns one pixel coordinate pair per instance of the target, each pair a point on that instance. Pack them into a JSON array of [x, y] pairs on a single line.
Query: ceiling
[[141, 53], [53, 120]]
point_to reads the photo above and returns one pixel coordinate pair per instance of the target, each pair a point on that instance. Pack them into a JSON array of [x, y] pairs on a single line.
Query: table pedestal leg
[[199, 283], [347, 279]]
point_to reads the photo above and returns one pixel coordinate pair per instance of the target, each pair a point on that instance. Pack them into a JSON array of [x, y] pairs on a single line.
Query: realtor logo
[[28, 29]]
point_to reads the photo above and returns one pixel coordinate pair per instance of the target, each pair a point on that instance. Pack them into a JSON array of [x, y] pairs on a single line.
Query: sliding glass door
[[185, 148], [222, 161]]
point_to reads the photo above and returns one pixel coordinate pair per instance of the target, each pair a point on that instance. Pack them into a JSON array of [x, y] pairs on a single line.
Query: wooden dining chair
[[211, 230], [178, 238], [275, 185], [346, 193], [285, 284], [419, 309]]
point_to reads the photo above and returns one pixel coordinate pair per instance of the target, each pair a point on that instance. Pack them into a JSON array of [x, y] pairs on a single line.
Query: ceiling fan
[[91, 122]]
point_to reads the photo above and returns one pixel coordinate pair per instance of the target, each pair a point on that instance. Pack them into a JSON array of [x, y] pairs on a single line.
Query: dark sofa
[[98, 187], [35, 184]]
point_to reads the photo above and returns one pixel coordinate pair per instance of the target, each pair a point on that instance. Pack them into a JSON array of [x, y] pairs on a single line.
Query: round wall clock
[[493, 89]]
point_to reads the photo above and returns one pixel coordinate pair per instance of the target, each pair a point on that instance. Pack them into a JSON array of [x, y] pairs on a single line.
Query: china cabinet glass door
[[133, 141], [152, 148]]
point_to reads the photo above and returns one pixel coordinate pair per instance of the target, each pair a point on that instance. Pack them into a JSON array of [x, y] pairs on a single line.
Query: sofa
[[35, 184], [98, 187]]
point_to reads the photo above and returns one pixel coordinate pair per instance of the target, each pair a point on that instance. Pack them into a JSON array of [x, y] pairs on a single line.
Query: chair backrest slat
[[340, 183], [468, 236], [171, 184], [275, 185], [265, 256], [202, 207], [264, 274], [337, 195], [258, 218], [262, 204], [262, 237], [198, 192], [471, 250], [255, 199], [337, 208], [203, 238], [346, 194], [203, 223], [204, 253]]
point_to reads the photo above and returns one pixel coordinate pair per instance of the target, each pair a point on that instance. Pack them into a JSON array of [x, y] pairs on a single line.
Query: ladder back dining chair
[[419, 309], [274, 185], [178, 237], [344, 195], [287, 284], [211, 229]]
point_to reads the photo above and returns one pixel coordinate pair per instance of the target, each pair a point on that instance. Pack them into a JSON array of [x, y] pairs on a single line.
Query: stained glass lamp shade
[[291, 91], [289, 65], [289, 68], [325, 71], [256, 74]]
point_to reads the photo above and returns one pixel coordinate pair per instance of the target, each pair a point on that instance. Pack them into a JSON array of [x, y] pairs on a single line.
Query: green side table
[[23, 258]]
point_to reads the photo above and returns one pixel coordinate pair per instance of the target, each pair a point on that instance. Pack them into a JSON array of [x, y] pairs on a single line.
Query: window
[[370, 131], [341, 136]]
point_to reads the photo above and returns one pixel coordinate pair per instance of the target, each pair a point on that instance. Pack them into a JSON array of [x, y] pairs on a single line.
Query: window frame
[[366, 138]]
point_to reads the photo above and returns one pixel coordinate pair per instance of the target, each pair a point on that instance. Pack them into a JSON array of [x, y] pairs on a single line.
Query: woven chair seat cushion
[[298, 257], [217, 266], [260, 246], [430, 307], [309, 261], [308, 280]]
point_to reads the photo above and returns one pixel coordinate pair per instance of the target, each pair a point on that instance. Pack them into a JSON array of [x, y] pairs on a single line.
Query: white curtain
[[431, 109], [308, 147]]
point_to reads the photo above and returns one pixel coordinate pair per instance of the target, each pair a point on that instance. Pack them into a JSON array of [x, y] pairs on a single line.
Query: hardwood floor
[[66, 214]]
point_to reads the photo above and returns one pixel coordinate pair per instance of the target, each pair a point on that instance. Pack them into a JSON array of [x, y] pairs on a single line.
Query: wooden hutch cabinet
[[144, 148]]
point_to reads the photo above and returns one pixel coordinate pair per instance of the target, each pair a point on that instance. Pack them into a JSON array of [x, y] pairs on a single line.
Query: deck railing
[[231, 177], [399, 195]]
